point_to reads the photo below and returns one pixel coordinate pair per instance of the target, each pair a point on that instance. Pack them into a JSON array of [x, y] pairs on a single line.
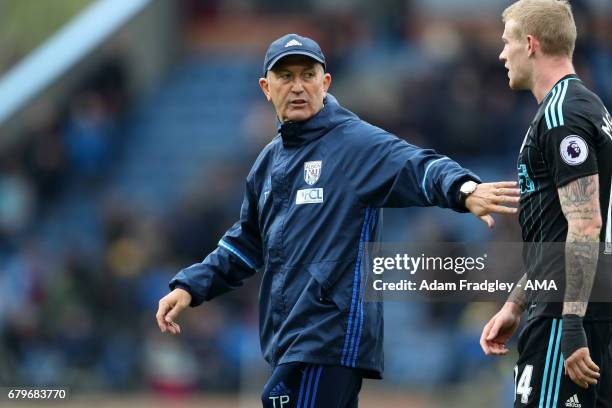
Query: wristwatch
[[465, 190]]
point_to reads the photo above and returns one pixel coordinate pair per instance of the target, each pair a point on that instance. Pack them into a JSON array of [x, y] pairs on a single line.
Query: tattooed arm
[[518, 296], [580, 204]]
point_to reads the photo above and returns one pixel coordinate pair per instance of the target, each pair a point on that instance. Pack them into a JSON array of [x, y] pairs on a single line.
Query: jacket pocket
[[337, 281]]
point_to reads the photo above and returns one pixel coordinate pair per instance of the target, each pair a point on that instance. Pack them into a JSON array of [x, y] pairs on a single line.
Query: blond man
[[564, 167]]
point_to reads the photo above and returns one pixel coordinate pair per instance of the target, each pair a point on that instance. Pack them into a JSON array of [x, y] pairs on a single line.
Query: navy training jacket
[[313, 196]]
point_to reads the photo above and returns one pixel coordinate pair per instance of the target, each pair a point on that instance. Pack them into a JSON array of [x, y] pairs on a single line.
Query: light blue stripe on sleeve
[[239, 254], [552, 110], [546, 113], [425, 176], [560, 104]]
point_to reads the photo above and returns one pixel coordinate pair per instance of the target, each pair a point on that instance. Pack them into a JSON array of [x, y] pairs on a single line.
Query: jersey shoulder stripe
[[554, 108]]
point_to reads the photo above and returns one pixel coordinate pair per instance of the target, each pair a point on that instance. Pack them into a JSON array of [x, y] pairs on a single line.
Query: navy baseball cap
[[291, 44]]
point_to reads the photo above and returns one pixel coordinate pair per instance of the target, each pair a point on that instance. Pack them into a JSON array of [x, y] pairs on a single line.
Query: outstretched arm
[[389, 172]]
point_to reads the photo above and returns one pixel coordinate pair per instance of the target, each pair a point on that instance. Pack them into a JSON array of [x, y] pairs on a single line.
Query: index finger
[[161, 314], [483, 337]]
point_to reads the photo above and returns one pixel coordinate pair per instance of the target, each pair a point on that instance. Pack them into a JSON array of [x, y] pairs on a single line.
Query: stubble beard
[[520, 83]]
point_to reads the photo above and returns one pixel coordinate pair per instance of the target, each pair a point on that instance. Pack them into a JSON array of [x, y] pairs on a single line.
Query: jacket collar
[[298, 133]]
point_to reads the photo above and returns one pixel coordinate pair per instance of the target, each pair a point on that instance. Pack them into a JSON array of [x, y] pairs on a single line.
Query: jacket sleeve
[[238, 257], [389, 172]]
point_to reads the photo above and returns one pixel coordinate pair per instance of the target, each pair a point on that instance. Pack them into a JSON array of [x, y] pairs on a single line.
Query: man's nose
[[502, 57], [297, 86]]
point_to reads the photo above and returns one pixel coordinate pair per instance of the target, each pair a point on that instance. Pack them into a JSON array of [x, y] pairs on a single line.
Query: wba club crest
[[312, 171]]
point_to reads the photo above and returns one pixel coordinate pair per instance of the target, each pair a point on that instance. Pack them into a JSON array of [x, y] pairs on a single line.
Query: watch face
[[468, 187]]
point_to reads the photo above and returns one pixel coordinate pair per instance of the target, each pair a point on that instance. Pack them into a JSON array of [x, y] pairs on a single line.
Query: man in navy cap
[[295, 101], [312, 199]]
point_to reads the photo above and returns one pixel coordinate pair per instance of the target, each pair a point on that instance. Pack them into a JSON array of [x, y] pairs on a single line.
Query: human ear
[[265, 88], [326, 82], [532, 44]]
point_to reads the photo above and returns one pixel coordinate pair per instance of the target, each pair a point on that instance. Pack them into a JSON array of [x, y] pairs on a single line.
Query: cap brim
[[293, 52]]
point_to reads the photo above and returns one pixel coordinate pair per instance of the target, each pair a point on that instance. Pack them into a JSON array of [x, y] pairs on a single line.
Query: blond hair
[[550, 21]]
